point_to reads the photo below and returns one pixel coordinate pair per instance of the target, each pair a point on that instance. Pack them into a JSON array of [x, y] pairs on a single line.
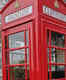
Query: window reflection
[[60, 56], [27, 37], [20, 56], [57, 39], [56, 55], [58, 73], [17, 73], [16, 40], [17, 57], [28, 73], [27, 55]]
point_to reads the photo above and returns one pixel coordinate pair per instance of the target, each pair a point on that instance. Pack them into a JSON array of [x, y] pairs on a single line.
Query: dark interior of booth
[[57, 54]]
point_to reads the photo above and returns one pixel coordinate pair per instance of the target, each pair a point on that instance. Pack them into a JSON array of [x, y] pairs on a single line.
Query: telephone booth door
[[56, 49], [18, 52]]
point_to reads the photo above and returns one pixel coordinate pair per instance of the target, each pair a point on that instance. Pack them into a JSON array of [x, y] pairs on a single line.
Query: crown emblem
[[56, 4], [17, 4]]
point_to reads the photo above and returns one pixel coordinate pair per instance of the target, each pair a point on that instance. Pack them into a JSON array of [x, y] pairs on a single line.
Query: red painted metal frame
[[50, 63], [39, 23], [61, 30], [34, 71], [23, 28]]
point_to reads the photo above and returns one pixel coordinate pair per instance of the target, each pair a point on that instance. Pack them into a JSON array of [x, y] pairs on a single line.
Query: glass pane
[[16, 40], [53, 55], [27, 37], [17, 57], [17, 73], [57, 39], [57, 72], [27, 55], [57, 56], [48, 55], [60, 56], [27, 72]]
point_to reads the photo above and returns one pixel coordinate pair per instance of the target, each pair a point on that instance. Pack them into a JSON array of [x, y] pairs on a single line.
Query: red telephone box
[[34, 40]]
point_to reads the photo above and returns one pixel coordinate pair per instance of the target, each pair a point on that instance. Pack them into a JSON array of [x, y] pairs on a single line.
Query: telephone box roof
[[52, 9], [10, 1]]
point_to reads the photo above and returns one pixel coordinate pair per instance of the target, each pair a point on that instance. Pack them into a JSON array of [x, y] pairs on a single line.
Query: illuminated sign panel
[[53, 13], [19, 14]]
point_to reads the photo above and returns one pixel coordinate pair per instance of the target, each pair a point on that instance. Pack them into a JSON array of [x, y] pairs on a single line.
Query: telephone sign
[[50, 12], [19, 14]]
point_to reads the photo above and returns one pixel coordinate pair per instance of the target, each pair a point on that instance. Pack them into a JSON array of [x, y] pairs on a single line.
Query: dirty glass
[[57, 39], [56, 55], [16, 40], [17, 73], [17, 57]]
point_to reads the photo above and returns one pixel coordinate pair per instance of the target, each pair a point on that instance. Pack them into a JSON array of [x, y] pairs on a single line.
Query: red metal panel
[[3, 57], [44, 56], [38, 47], [50, 77]]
